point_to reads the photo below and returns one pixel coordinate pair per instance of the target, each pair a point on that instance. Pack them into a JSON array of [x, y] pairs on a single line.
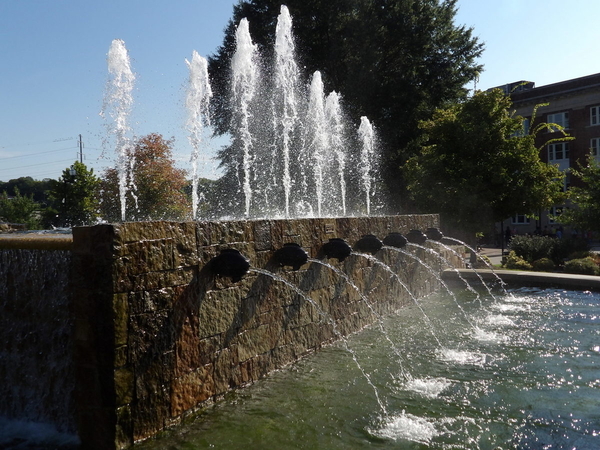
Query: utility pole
[[80, 150]]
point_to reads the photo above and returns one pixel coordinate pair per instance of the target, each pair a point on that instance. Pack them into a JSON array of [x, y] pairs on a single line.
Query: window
[[520, 219], [561, 118], [558, 151], [595, 147], [595, 115]]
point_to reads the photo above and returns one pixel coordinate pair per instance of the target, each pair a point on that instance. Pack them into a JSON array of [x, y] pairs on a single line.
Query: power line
[[34, 165], [35, 143], [35, 154]]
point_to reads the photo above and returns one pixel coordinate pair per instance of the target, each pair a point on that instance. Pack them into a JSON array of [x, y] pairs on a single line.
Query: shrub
[[580, 254], [532, 248], [543, 265], [514, 261], [585, 266], [483, 262], [563, 248]]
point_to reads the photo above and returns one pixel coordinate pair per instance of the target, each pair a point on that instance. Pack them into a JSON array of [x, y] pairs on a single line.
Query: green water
[[525, 378]]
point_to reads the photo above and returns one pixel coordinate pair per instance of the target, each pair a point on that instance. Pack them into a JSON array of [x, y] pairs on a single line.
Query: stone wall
[[159, 336], [120, 331]]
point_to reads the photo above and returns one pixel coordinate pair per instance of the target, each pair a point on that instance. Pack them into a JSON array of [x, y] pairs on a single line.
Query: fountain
[[197, 103], [118, 101], [290, 141], [169, 317]]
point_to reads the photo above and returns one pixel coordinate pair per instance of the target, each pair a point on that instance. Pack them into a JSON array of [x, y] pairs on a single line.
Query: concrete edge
[[32, 241], [513, 278]]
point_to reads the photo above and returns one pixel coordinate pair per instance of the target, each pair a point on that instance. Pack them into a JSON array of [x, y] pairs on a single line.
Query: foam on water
[[408, 427], [510, 307], [462, 357], [488, 336], [428, 387], [18, 434], [498, 320]]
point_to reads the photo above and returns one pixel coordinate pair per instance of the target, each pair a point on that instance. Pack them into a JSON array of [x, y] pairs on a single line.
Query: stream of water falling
[[118, 101], [197, 104], [536, 386]]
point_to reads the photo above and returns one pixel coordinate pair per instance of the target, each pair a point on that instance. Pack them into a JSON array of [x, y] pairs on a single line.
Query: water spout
[[197, 103], [337, 248], [291, 254], [118, 101], [230, 263]]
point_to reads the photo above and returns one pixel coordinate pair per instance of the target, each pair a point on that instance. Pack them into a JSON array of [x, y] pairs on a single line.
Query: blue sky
[[53, 66]]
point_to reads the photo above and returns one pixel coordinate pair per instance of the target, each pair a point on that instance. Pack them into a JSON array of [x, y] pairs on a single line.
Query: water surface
[[520, 371]]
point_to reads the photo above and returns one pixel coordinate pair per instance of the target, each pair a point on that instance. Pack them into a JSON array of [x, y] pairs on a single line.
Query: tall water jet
[[117, 105], [244, 69], [367, 138], [197, 103], [335, 124], [317, 136], [287, 80]]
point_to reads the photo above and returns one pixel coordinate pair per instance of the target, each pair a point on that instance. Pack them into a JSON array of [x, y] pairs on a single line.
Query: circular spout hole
[[368, 244], [434, 234], [416, 237], [292, 255], [230, 263], [337, 248], [395, 240]]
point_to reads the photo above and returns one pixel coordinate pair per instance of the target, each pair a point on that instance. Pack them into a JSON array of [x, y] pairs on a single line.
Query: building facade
[[573, 104]]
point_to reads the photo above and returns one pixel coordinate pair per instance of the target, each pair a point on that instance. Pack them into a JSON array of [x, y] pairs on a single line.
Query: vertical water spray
[[245, 77], [118, 101], [197, 103], [367, 138], [335, 124], [317, 136], [287, 78]]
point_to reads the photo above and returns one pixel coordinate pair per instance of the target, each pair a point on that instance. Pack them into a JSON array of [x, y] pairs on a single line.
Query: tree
[[477, 165], [27, 186], [19, 209], [156, 186], [73, 200], [586, 198], [394, 61]]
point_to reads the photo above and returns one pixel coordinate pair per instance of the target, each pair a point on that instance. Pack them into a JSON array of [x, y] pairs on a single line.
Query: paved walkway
[[495, 254]]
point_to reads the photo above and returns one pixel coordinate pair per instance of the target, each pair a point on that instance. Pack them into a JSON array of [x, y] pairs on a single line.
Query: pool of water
[[516, 371]]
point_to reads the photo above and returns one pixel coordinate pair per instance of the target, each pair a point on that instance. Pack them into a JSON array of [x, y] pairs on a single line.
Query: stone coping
[[524, 278], [36, 241]]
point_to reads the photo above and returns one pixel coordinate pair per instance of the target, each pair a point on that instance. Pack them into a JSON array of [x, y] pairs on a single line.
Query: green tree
[[585, 215], [157, 187], [478, 166], [73, 200], [19, 209], [394, 61], [27, 186]]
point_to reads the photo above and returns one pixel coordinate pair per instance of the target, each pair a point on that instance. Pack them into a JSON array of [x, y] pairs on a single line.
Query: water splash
[[245, 73], [317, 140], [197, 103], [408, 427], [428, 387], [335, 330], [335, 124], [287, 82], [118, 101], [367, 137]]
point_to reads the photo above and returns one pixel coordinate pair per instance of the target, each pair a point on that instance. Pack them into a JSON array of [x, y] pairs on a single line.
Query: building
[[573, 104]]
